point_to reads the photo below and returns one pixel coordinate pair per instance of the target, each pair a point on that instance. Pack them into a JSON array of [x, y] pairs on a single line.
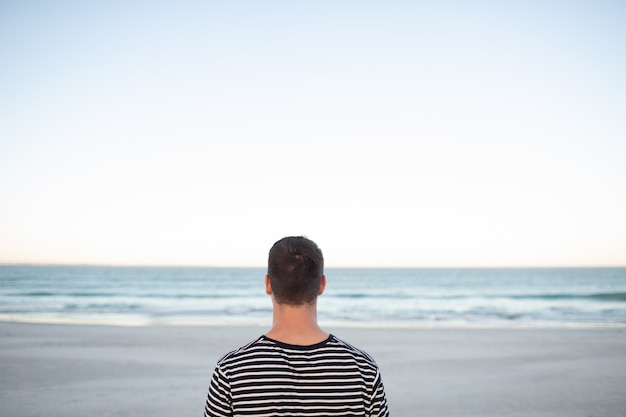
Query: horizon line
[[101, 265]]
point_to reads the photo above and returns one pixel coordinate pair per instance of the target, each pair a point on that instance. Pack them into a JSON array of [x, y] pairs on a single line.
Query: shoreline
[[408, 325], [163, 370]]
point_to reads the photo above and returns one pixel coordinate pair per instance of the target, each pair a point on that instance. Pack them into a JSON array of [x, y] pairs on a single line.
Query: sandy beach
[[98, 371]]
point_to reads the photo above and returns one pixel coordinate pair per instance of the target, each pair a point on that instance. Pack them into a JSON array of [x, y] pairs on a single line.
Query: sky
[[394, 134]]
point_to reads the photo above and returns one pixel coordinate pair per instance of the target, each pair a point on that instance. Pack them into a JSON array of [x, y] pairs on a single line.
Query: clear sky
[[397, 133]]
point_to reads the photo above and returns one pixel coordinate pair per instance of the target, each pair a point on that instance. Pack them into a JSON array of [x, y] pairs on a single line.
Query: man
[[296, 369]]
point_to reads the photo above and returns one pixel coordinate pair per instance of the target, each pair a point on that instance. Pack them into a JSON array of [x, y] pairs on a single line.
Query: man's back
[[282, 373], [270, 378]]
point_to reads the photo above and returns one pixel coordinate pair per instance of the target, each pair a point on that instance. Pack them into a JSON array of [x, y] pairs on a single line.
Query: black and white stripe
[[268, 378]]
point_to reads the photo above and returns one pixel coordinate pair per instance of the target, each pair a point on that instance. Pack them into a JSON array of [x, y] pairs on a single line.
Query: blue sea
[[554, 297]]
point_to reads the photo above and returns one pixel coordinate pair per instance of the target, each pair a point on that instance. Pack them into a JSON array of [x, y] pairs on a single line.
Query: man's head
[[295, 269]]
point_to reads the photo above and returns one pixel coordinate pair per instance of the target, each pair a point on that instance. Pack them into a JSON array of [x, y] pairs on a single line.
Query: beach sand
[[98, 371]]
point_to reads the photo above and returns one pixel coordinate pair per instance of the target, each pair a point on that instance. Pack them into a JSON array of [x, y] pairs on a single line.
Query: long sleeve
[[219, 400]]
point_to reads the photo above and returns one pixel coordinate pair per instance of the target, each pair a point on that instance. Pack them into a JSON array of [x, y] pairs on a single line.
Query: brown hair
[[295, 267]]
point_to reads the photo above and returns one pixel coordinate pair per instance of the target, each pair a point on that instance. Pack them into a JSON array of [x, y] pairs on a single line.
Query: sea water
[[363, 297]]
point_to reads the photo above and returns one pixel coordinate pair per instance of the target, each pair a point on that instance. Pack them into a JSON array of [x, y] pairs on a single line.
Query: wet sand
[[159, 371]]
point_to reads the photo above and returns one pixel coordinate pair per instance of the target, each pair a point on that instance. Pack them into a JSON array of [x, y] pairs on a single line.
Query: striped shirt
[[269, 378]]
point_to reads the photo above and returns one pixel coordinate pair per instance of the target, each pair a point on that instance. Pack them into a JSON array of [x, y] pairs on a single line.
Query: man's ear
[[268, 285], [322, 285]]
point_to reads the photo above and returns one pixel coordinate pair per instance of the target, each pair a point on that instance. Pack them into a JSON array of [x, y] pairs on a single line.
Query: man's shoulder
[[353, 350], [247, 349]]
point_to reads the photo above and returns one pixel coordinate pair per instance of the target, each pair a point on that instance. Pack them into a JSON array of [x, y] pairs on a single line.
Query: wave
[[127, 294], [607, 296], [611, 296], [372, 295], [64, 294]]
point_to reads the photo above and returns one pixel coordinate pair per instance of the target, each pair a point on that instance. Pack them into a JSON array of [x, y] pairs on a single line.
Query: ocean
[[378, 297]]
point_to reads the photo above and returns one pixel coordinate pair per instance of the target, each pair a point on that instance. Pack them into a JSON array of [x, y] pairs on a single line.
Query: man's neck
[[296, 325]]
